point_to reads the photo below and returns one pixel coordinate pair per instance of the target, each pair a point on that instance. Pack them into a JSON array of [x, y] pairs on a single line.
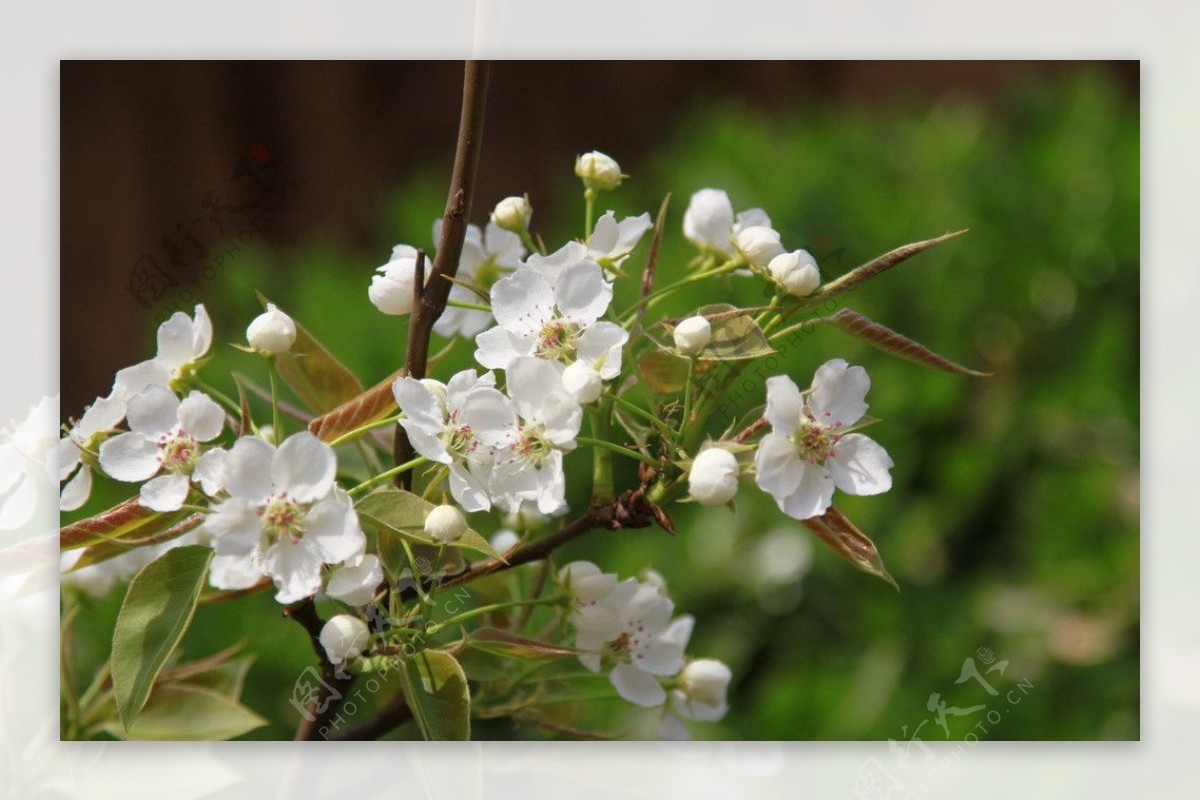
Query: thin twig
[[335, 683]]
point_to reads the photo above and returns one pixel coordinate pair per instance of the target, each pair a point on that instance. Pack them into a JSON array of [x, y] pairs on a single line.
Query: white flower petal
[[247, 469], [304, 467], [530, 381], [176, 341], [497, 348], [637, 687], [708, 221], [600, 345], [202, 332], [662, 658], [582, 294], [209, 472], [859, 465], [76, 491], [235, 527], [200, 416], [103, 415], [777, 467], [234, 572], [132, 380], [785, 404], [522, 302], [422, 408], [296, 569], [68, 456], [813, 494], [153, 411], [165, 493], [129, 457], [839, 392], [331, 526], [356, 583], [468, 489]]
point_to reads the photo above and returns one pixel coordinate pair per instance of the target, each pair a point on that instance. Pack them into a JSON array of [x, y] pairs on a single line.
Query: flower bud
[[392, 289], [445, 523], [505, 540], [513, 213], [271, 332], [344, 637], [692, 335], [796, 272], [598, 171], [581, 380], [713, 479], [758, 244], [705, 683]]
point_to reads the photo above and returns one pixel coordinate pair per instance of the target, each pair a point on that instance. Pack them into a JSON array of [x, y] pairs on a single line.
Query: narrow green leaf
[[315, 374], [505, 643], [183, 712], [851, 544], [894, 343], [437, 693], [154, 616], [403, 513]]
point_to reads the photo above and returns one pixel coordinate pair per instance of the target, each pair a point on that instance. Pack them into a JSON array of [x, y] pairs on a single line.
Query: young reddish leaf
[[851, 544], [896, 344], [374, 404], [878, 265], [111, 524], [147, 535]]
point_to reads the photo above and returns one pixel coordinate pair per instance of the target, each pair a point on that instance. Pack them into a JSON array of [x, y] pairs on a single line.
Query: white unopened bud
[[391, 289], [705, 684], [271, 332], [445, 523], [598, 171], [713, 479], [344, 637], [505, 540], [758, 244], [692, 335], [796, 272], [513, 214], [582, 381]]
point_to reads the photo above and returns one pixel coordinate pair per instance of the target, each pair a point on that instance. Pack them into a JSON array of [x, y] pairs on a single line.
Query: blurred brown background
[[144, 142]]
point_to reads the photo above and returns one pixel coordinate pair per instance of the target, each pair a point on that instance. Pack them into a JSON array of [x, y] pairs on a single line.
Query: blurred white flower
[[809, 451], [486, 257], [709, 223], [101, 417], [182, 343], [758, 244], [701, 695], [612, 242]]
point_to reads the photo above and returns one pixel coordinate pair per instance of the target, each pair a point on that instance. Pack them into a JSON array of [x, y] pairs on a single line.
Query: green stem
[[589, 202], [483, 610], [528, 242], [365, 428], [661, 425], [687, 394], [463, 304], [662, 292], [276, 425], [386, 474], [602, 474], [632, 454]]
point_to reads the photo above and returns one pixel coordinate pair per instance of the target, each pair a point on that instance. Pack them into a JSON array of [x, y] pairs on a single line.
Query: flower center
[[531, 445], [557, 340], [458, 437], [815, 442], [630, 643], [178, 451], [283, 517]]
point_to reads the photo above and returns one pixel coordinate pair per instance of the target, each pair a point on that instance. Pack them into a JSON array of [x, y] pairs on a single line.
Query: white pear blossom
[[26, 464], [104, 415], [392, 289], [271, 332], [513, 213], [583, 381], [486, 256], [356, 580], [442, 422], [713, 479], [758, 244], [692, 335], [284, 517], [344, 637], [529, 450], [164, 437], [702, 691], [598, 171], [796, 272], [809, 450], [612, 242], [182, 343], [559, 322], [446, 523], [709, 222]]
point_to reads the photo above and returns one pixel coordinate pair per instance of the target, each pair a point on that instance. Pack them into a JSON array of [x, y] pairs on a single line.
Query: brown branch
[[392, 714], [335, 684], [430, 299]]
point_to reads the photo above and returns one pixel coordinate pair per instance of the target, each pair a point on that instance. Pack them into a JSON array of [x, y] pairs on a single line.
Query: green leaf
[[315, 374], [896, 344], [403, 513], [183, 712], [735, 335], [851, 544], [503, 643], [663, 371], [154, 616], [436, 690]]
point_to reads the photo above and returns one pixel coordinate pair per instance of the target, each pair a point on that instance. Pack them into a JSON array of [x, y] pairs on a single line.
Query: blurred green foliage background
[[1013, 522]]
